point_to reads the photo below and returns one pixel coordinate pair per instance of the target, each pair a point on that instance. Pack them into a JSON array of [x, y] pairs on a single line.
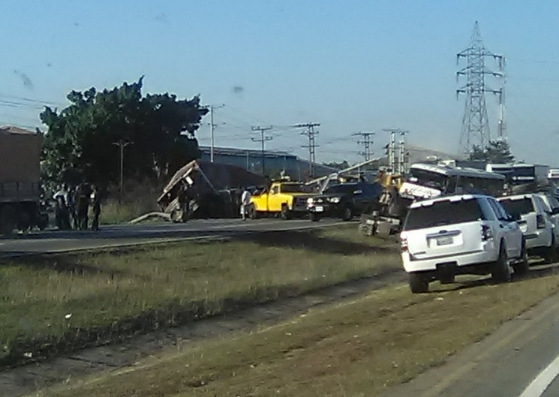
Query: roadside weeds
[[355, 348]]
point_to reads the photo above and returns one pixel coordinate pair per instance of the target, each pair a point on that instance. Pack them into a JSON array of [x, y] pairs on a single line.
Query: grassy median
[[356, 348], [63, 302]]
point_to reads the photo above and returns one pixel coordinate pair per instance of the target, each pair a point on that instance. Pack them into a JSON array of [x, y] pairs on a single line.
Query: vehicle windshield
[[336, 189], [292, 188], [429, 179], [443, 213], [521, 206]]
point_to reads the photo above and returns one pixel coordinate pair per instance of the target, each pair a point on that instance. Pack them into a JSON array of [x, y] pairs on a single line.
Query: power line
[[475, 123], [310, 134], [366, 142], [263, 139]]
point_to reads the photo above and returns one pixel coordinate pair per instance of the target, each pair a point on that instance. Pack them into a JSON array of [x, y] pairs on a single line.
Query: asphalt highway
[[51, 241], [521, 359]]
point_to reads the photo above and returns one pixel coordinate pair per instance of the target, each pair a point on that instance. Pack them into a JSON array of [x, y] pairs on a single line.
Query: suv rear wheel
[[418, 283], [501, 270], [522, 267], [550, 252]]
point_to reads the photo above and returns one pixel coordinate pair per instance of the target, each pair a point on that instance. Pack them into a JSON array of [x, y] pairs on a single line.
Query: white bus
[[427, 181], [553, 175], [520, 173]]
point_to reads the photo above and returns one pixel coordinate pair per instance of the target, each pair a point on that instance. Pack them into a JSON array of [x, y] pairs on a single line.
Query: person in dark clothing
[[72, 208], [82, 206], [95, 207]]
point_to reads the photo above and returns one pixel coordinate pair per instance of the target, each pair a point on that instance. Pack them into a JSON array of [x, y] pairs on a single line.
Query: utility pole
[[263, 138], [366, 142], [475, 123], [402, 153], [392, 148], [122, 144], [212, 126], [310, 134]]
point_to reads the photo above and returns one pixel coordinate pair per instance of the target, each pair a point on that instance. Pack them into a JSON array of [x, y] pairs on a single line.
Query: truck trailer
[[20, 190]]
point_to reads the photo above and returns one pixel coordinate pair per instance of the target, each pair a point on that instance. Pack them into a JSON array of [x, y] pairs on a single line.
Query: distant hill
[[419, 154]]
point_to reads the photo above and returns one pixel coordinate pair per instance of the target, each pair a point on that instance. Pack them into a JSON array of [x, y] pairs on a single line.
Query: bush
[[138, 199]]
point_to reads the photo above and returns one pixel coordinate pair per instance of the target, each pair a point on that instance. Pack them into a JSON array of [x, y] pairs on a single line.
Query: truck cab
[[283, 197]]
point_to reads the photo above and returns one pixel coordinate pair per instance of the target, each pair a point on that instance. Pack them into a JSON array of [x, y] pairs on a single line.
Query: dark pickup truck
[[344, 201]]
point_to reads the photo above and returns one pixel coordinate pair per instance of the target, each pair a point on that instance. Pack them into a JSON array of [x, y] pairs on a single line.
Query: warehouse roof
[[15, 130]]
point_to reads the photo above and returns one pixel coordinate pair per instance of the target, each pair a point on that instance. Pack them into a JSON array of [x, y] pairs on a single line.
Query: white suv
[[552, 208], [536, 223], [462, 234]]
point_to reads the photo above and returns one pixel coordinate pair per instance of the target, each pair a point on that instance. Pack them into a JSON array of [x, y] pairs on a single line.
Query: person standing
[[245, 203], [95, 207], [72, 207], [82, 204], [62, 213]]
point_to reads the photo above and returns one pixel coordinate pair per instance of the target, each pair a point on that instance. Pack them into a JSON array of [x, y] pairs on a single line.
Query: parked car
[[460, 234], [344, 200], [535, 223], [552, 206]]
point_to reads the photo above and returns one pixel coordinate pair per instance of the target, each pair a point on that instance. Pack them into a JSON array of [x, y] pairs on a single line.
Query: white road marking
[[543, 380]]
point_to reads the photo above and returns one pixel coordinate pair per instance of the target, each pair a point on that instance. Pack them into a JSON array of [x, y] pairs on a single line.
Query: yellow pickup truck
[[286, 198]]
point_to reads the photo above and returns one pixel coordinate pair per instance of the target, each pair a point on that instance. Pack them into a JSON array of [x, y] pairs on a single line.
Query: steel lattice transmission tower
[[475, 124]]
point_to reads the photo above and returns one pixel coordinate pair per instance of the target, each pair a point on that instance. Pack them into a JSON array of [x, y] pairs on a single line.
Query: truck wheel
[[501, 270], [8, 220], [549, 254], [522, 267], [285, 215], [314, 217], [177, 216], [347, 215], [252, 214], [418, 283]]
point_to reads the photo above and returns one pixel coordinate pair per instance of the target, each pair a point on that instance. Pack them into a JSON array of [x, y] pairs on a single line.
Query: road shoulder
[[502, 364]]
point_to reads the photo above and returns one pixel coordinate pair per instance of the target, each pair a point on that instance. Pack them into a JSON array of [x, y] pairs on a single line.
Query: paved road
[[56, 241], [521, 359]]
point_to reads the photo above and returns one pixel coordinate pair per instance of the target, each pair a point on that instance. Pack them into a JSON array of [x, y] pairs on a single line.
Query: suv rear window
[[522, 206], [443, 213]]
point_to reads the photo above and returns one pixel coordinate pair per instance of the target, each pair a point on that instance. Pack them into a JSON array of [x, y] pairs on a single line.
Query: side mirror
[[515, 217], [554, 211]]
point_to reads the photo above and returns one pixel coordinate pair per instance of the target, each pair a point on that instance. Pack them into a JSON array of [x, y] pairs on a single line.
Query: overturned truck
[[202, 189]]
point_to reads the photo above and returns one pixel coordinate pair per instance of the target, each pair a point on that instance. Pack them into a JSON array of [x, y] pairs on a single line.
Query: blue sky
[[350, 65]]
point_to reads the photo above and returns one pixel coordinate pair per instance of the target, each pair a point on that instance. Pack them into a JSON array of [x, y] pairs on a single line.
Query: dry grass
[[138, 199], [63, 302], [358, 348]]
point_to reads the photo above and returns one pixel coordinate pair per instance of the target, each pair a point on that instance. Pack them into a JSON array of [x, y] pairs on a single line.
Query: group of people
[[73, 205]]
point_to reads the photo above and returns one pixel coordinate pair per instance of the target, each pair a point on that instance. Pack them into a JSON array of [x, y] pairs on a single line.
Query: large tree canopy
[[497, 152], [82, 139]]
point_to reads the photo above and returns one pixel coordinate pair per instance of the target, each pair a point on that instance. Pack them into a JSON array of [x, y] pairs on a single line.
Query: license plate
[[444, 240], [319, 208]]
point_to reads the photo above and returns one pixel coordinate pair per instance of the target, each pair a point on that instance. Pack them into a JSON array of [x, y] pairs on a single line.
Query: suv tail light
[[540, 221], [486, 233], [404, 244]]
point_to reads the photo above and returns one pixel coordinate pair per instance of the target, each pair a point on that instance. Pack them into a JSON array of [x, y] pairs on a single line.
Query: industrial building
[[274, 162]]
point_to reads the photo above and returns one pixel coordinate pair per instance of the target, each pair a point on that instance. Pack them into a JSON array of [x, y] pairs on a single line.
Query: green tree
[[80, 142], [495, 152]]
